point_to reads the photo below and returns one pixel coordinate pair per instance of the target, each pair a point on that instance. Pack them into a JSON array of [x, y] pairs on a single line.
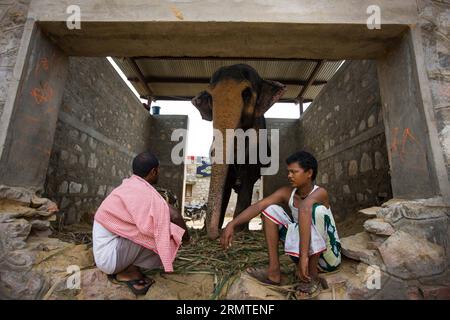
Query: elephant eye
[[247, 95]]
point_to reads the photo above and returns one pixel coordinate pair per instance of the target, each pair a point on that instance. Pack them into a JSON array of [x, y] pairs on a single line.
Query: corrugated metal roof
[[183, 78]]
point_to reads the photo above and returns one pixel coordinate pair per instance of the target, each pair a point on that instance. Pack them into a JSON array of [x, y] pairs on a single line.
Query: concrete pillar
[[416, 160], [31, 111]]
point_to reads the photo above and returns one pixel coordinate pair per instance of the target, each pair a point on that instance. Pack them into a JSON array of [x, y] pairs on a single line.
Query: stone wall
[[435, 27], [343, 128], [101, 127], [289, 142], [171, 175], [13, 15]]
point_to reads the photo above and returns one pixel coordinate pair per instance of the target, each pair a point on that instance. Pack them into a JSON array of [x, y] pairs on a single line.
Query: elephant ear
[[204, 104], [271, 92]]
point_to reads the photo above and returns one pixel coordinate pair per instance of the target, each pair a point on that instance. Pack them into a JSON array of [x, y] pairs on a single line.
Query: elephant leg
[[244, 199]]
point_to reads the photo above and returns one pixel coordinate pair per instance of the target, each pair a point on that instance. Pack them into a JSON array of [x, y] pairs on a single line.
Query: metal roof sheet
[[183, 78]]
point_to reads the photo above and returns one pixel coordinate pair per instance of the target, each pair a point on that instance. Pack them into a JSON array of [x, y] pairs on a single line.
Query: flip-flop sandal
[[328, 272], [307, 290], [261, 275], [131, 284]]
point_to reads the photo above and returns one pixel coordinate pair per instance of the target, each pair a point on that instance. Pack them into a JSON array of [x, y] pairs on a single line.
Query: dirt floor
[[203, 270]]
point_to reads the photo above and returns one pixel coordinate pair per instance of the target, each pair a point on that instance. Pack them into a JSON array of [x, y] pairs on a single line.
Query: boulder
[[94, 285], [356, 247], [172, 286], [14, 232], [408, 256], [412, 210], [379, 227], [244, 287], [20, 195], [370, 212], [22, 285], [40, 225]]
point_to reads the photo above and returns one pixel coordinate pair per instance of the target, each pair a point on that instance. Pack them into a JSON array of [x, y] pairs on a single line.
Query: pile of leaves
[[203, 255]]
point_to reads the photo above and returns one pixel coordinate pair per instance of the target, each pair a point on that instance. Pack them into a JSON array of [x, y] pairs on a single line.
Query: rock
[[22, 285], [75, 187], [407, 256], [353, 168], [379, 160], [41, 233], [19, 195], [94, 285], [371, 212], [174, 286], [371, 284], [366, 163], [435, 292], [245, 287], [12, 209], [40, 225], [391, 202], [379, 227], [355, 247], [375, 241], [14, 232], [56, 263]]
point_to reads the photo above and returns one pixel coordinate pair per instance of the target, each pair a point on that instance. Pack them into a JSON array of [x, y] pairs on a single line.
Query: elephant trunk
[[215, 197]]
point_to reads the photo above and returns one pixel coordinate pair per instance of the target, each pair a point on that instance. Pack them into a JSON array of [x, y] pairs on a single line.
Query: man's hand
[[303, 269], [227, 236]]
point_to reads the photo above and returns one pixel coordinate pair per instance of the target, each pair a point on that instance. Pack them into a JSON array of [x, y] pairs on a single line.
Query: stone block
[[407, 256], [75, 187], [370, 212], [378, 226], [17, 194], [244, 287], [366, 163], [356, 247], [353, 168]]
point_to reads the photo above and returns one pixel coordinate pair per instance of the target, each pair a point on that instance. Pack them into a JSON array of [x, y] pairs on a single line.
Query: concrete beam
[[31, 111], [208, 28], [415, 158]]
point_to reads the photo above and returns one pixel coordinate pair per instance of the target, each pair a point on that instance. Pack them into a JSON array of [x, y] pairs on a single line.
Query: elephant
[[236, 98]]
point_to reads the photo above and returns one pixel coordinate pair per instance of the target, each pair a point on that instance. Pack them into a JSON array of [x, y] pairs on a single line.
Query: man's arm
[[281, 195], [305, 219], [176, 218]]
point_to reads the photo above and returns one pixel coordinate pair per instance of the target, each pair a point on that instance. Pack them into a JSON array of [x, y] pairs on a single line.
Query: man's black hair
[[143, 163], [305, 160]]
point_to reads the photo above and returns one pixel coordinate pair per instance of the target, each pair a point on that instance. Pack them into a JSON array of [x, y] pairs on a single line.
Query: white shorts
[[289, 232]]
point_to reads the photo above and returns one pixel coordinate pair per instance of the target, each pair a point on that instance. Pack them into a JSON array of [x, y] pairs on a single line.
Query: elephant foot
[[213, 234]]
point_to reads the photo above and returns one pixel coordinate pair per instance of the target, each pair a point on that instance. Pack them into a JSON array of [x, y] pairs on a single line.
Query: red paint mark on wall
[[43, 64], [408, 146], [42, 94]]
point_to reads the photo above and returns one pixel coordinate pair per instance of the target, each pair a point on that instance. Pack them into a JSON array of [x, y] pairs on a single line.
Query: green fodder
[[203, 255]]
